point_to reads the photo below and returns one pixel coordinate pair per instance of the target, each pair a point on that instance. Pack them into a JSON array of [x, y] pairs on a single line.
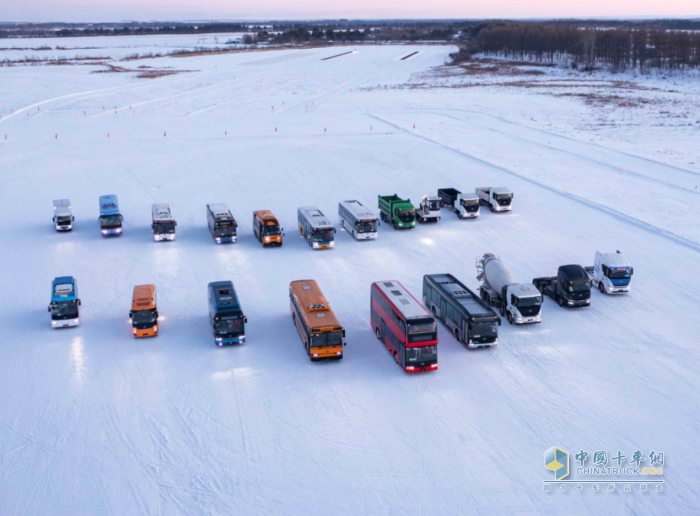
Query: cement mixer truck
[[520, 303]]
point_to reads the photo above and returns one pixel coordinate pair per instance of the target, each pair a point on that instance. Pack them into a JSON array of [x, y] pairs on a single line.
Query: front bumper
[[148, 332], [323, 245], [365, 236], [161, 238], [474, 345], [112, 232], [332, 354], [65, 323], [618, 290], [64, 228], [575, 304], [421, 369], [225, 240], [528, 320], [220, 341]]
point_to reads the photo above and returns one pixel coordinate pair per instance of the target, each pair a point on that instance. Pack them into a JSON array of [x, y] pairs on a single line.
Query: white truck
[[465, 205], [497, 198], [428, 210], [611, 273], [520, 303], [163, 222], [62, 215]]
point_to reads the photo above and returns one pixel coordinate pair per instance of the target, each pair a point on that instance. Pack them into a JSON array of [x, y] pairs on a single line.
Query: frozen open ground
[[93, 421]]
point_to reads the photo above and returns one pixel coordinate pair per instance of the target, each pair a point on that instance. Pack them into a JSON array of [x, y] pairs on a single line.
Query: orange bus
[[320, 331], [267, 228], [144, 311]]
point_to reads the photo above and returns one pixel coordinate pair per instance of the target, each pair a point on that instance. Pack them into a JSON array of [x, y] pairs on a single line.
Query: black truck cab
[[571, 287]]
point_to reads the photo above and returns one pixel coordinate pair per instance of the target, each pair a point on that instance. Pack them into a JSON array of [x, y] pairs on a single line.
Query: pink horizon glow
[[144, 10]]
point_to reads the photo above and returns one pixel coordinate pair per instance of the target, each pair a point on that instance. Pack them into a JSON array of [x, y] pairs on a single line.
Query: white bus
[[357, 220], [163, 222], [316, 228]]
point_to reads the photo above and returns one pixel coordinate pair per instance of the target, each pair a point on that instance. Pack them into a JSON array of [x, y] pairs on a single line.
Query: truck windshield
[[161, 228], [503, 199], [329, 338], [470, 202], [406, 215], [484, 329], [580, 287], [529, 301], [143, 316], [228, 325], [271, 230], [433, 205], [322, 235], [110, 221], [366, 226], [66, 310], [224, 229], [422, 354], [63, 221], [619, 274]]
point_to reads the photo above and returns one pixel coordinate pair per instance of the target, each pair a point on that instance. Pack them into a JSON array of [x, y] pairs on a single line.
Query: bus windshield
[[422, 330], [161, 228], [110, 220], [421, 354], [322, 235], [66, 310], [271, 230], [143, 316], [224, 229], [484, 329], [329, 338], [366, 226], [228, 325]]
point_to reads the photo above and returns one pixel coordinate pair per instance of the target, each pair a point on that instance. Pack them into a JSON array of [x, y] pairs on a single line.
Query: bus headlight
[[104, 231], [315, 245], [332, 244]]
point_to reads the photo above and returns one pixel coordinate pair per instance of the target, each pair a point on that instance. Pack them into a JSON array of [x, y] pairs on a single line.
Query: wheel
[[434, 312], [503, 311], [459, 215], [491, 208], [560, 300], [601, 287], [456, 332], [510, 318], [396, 357], [378, 334]]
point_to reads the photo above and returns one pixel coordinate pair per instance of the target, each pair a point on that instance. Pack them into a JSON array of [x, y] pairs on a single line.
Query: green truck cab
[[396, 211]]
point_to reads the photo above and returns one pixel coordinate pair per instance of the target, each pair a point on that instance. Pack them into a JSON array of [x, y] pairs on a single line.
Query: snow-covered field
[[93, 421]]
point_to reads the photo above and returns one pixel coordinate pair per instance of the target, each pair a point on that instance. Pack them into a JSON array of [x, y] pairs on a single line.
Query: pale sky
[[144, 10]]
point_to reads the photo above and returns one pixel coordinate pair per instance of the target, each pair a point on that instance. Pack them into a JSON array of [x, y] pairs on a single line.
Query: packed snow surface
[[93, 421]]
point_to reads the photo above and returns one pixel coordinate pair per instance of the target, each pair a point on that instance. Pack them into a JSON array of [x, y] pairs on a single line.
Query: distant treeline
[[316, 34], [128, 29], [588, 47]]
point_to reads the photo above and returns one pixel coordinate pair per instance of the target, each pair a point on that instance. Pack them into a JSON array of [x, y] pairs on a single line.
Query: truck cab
[[428, 209], [62, 215], [611, 273], [163, 222], [571, 287], [64, 302], [267, 228], [497, 198], [468, 206], [144, 311], [523, 304], [110, 217]]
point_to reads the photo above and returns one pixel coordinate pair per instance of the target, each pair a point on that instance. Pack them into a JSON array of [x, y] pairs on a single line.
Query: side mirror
[[631, 271], [131, 314], [343, 332], [245, 320], [156, 314], [79, 303], [176, 222], [499, 321], [73, 218], [49, 309]]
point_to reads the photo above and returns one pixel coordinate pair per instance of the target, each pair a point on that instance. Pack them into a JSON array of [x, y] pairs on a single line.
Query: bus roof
[[109, 205], [64, 288], [313, 304], [461, 294], [220, 211], [144, 298], [315, 217], [224, 296], [267, 217], [358, 210], [402, 299], [162, 212]]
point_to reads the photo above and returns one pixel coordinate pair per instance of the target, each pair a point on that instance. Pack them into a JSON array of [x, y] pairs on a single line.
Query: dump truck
[[396, 211], [520, 303], [611, 273], [571, 287], [465, 205], [497, 198], [428, 209]]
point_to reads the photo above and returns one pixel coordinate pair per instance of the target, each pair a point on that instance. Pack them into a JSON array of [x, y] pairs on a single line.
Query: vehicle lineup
[[407, 328]]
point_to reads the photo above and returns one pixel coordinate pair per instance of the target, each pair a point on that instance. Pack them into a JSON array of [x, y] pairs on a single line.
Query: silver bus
[[316, 228], [357, 220]]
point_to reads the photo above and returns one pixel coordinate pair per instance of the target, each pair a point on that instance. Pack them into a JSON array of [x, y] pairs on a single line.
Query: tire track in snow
[[650, 228]]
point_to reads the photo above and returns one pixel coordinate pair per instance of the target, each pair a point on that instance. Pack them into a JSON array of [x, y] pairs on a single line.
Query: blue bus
[[110, 218], [64, 302], [225, 314]]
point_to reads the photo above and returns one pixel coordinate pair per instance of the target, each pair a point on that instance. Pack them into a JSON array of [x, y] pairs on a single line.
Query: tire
[[434, 312], [560, 300], [601, 287], [456, 332], [503, 311], [510, 318], [378, 333], [396, 357]]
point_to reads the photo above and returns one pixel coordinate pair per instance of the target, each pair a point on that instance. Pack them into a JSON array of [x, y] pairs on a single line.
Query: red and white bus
[[405, 327]]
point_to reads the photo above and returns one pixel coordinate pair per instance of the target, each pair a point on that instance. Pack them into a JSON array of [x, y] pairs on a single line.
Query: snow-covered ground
[[93, 421]]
